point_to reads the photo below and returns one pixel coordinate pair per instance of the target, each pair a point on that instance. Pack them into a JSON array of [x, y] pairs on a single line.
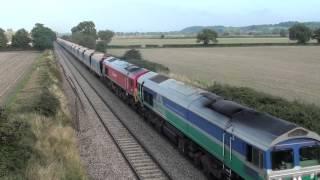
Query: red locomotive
[[124, 76]]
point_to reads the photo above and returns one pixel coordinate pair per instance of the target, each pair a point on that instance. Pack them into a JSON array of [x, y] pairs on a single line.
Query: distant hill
[[252, 30]]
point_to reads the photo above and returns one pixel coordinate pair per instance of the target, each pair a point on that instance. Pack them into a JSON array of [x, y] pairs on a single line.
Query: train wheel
[[205, 162], [183, 145], [159, 125], [197, 159]]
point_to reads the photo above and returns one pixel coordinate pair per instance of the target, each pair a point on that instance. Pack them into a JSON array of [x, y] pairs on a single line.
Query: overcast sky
[[152, 15]]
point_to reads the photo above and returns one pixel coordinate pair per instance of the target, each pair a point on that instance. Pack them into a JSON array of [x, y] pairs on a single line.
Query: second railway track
[[142, 163]]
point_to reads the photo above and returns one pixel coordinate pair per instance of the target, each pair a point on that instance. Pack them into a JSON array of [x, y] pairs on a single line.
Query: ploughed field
[[144, 41], [13, 66], [289, 72]]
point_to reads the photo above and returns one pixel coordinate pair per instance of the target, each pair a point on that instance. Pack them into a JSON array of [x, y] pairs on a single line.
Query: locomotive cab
[[296, 158]]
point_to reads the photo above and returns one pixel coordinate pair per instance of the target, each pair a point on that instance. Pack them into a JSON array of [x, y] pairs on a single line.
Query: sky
[[153, 15]]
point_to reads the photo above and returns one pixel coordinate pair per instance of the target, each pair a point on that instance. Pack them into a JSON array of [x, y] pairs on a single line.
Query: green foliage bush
[[124, 46], [85, 40], [3, 39], [134, 56], [45, 103], [85, 34], [42, 37], [21, 39], [207, 35], [316, 35], [301, 33], [85, 27], [66, 37], [152, 46], [152, 66], [16, 141], [101, 46], [306, 115], [106, 36]]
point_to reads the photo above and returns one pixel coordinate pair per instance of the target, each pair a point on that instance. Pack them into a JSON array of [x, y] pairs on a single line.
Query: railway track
[[140, 160]]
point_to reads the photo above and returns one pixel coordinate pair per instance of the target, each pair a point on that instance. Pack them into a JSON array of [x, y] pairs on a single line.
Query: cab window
[[282, 160], [255, 156], [148, 98], [309, 156]]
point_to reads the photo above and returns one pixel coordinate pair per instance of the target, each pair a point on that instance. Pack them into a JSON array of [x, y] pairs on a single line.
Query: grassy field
[[289, 72], [37, 139], [144, 41]]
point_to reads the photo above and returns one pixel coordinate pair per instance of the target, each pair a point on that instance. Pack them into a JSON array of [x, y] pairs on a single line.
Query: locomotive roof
[[95, 55], [90, 51], [81, 49], [259, 129], [123, 66]]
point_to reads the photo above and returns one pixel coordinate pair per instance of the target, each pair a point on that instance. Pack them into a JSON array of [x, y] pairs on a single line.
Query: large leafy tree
[[66, 37], [207, 35], [132, 54], [316, 35], [85, 34], [3, 39], [21, 39], [85, 27], [42, 37], [105, 38], [106, 35], [101, 46], [301, 33]]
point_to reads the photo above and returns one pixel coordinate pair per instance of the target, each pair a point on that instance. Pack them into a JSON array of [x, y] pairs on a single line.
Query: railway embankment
[[37, 139]]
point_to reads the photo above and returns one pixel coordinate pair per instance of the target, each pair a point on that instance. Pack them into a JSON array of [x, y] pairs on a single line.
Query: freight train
[[225, 139]]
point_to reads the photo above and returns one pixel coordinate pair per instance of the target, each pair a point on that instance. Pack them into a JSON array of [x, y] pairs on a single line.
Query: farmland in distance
[[290, 72], [144, 41], [13, 66]]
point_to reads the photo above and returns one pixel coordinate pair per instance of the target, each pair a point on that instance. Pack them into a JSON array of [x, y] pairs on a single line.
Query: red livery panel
[[123, 74]]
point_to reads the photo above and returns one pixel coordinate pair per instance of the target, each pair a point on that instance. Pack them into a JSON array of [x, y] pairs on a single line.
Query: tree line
[[85, 34], [298, 32], [40, 37]]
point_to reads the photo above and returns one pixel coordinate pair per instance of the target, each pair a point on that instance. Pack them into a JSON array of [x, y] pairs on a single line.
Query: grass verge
[[37, 140]]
